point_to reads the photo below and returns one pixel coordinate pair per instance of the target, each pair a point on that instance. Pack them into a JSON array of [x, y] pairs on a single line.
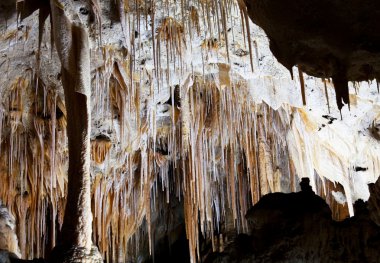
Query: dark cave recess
[[338, 39], [298, 227]]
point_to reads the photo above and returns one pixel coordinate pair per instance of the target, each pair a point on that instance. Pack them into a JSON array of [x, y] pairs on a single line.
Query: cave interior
[[210, 131]]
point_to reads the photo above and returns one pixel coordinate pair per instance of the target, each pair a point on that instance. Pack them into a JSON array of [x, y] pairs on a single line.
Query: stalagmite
[[266, 168], [8, 237]]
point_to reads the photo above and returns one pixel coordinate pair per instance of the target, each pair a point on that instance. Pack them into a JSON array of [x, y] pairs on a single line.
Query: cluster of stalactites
[[33, 175], [225, 151], [173, 27]]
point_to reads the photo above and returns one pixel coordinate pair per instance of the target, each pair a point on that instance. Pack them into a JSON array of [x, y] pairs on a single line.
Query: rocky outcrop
[[297, 227], [9, 248], [8, 237]]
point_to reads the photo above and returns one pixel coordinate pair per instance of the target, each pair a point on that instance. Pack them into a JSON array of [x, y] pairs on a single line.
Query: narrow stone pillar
[[72, 43]]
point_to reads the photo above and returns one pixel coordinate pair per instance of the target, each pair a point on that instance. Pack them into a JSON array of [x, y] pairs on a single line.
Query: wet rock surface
[[297, 227], [327, 39]]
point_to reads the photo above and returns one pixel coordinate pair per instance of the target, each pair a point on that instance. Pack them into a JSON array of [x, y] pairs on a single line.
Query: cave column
[[72, 43]]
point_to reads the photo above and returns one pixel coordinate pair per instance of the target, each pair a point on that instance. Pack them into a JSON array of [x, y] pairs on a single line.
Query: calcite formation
[[193, 120]]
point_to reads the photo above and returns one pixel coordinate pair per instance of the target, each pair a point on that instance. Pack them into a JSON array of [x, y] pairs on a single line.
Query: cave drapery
[[166, 100]]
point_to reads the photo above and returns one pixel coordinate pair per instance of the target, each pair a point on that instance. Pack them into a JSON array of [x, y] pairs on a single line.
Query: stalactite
[[99, 149], [341, 89], [194, 19], [327, 95], [302, 82], [245, 24]]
